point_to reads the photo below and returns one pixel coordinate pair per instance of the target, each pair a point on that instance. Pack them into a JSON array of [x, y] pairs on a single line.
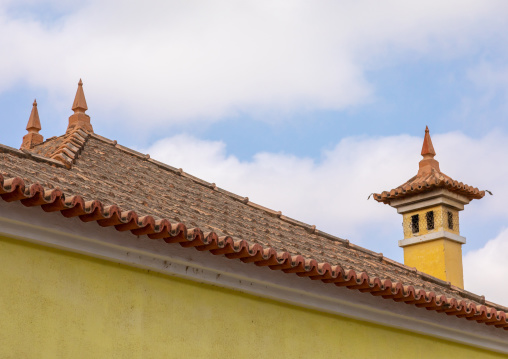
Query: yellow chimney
[[430, 203]]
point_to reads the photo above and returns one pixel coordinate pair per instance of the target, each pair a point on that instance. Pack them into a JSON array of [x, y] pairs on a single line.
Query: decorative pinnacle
[[79, 119], [427, 148], [34, 124], [79, 105], [33, 137], [428, 163]]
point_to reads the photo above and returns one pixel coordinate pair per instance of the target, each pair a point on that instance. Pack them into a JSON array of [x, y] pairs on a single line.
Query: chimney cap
[[428, 178]]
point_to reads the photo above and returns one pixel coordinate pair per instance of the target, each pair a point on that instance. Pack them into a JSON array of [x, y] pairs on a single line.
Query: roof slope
[[83, 174]]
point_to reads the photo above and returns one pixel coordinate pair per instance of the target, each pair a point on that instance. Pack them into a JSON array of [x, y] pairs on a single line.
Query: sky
[[303, 106]]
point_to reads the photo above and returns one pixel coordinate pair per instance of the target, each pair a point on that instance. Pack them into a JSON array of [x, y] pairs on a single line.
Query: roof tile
[[115, 186]]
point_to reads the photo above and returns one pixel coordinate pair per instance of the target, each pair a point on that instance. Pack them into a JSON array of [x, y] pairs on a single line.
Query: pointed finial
[[79, 104], [34, 124], [79, 119], [428, 163], [33, 137], [427, 148]]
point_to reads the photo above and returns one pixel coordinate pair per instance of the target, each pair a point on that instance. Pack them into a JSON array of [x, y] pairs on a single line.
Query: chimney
[[430, 204], [79, 119], [33, 127]]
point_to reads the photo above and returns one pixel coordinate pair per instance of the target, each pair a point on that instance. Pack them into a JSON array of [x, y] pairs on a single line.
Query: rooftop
[[82, 174]]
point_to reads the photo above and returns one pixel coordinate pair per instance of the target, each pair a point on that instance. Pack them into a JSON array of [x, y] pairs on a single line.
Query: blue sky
[[304, 107], [406, 96]]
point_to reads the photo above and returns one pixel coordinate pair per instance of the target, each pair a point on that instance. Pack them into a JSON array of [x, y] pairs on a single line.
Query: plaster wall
[[441, 258], [55, 304], [440, 221]]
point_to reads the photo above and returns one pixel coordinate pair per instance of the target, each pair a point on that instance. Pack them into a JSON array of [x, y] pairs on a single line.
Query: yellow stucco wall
[[441, 258], [54, 304], [440, 221]]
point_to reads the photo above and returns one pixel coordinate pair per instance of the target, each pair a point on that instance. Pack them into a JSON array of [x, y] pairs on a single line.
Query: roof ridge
[[28, 154], [48, 140], [15, 189], [69, 150]]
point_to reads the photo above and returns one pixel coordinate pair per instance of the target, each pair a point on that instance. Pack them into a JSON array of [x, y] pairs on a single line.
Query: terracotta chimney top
[[79, 104], [79, 119], [428, 163], [34, 124], [33, 127], [427, 148]]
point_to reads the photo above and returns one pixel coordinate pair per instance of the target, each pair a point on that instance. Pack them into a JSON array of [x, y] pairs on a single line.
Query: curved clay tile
[[12, 189]]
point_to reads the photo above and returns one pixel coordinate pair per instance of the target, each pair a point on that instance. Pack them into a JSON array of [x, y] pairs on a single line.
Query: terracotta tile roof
[[85, 175], [427, 182], [429, 177], [64, 149]]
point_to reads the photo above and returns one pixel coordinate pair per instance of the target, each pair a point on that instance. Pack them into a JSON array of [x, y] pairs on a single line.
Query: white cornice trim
[[430, 199], [432, 237], [432, 202], [53, 230]]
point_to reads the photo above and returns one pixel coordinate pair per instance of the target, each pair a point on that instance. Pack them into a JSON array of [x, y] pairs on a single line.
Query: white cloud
[[332, 192], [178, 60], [337, 185], [486, 269]]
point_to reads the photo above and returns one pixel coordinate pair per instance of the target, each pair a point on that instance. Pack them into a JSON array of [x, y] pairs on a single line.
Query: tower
[[430, 203]]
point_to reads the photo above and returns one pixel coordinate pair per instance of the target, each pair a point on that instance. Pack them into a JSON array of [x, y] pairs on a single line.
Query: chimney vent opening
[[430, 220], [415, 223], [450, 220]]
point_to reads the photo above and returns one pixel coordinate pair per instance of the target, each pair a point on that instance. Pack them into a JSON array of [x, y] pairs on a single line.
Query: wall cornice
[[71, 234]]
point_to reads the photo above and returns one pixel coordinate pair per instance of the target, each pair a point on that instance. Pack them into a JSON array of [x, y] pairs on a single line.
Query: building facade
[[106, 252]]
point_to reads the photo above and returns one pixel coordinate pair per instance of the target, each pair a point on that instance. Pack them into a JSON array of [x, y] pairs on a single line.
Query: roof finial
[[33, 127], [80, 119], [79, 104], [427, 148], [428, 162], [34, 124]]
